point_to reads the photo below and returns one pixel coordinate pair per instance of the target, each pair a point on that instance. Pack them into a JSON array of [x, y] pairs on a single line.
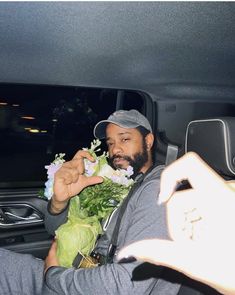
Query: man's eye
[[125, 139], [109, 143]]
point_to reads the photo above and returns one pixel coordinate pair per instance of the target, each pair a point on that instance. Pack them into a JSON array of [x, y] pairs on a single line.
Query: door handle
[[19, 214]]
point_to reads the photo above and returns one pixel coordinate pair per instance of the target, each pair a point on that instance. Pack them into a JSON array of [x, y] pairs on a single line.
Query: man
[[130, 140]]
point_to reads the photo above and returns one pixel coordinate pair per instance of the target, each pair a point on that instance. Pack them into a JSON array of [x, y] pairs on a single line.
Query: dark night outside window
[[36, 122]]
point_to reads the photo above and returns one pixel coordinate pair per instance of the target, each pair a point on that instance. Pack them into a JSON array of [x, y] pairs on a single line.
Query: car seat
[[214, 141]]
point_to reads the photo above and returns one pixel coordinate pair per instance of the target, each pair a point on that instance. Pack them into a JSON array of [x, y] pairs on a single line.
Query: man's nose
[[116, 149]]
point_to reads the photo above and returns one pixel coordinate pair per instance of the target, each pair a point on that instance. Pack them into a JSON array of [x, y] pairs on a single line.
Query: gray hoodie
[[143, 219]]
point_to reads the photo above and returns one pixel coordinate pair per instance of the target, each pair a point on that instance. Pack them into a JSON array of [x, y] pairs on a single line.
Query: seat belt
[[172, 153], [113, 244]]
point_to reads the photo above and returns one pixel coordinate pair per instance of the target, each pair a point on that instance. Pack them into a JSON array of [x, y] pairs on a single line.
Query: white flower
[[129, 171], [90, 167], [100, 167], [106, 171], [51, 170], [48, 192], [120, 176]]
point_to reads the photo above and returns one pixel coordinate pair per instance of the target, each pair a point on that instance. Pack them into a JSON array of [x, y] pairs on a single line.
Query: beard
[[137, 161]]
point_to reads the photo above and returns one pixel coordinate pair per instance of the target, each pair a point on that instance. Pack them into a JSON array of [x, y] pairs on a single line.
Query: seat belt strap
[[113, 245]]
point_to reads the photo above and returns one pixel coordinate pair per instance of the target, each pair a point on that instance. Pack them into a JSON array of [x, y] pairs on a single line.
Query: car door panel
[[22, 222]]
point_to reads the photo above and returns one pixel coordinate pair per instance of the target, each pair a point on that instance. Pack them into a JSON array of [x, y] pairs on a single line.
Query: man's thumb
[[94, 180], [156, 251]]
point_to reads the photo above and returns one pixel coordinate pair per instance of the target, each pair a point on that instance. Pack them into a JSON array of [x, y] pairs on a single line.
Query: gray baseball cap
[[122, 118]]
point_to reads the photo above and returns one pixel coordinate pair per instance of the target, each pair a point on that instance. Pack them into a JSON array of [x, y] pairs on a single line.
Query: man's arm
[[213, 200], [144, 218], [52, 221], [69, 181]]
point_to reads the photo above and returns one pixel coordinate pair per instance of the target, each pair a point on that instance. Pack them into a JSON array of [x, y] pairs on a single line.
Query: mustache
[[127, 158]]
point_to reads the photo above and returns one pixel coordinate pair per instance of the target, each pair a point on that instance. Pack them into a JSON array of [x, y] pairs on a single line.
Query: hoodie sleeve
[[143, 219], [53, 221]]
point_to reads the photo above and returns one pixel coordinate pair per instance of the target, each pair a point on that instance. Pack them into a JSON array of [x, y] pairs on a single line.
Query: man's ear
[[149, 139]]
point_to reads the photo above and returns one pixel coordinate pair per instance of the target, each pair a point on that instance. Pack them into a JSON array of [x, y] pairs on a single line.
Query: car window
[[36, 122]]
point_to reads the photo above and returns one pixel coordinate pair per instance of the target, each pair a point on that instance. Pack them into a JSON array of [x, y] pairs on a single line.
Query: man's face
[[126, 147]]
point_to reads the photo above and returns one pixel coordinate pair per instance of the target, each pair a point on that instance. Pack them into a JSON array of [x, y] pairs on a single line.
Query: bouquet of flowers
[[86, 210]]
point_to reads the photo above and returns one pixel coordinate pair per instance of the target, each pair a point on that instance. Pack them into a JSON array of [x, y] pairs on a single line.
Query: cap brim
[[100, 128]]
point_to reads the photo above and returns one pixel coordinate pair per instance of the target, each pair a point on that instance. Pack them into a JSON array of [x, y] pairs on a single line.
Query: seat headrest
[[214, 141]]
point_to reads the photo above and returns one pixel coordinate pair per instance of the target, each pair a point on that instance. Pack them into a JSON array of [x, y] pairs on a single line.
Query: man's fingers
[[71, 171], [162, 252], [68, 174], [156, 251], [83, 154], [83, 182], [189, 167], [53, 248], [93, 180], [51, 259], [77, 163], [184, 205], [231, 184], [195, 260]]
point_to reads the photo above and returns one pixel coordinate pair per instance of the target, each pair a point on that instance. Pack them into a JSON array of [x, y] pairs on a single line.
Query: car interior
[[213, 140], [66, 65]]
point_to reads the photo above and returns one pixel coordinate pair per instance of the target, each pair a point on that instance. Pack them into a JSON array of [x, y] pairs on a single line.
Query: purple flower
[[52, 169]]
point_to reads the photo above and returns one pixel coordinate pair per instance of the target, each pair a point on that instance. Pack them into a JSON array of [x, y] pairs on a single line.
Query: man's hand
[[51, 259], [201, 224], [70, 180]]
